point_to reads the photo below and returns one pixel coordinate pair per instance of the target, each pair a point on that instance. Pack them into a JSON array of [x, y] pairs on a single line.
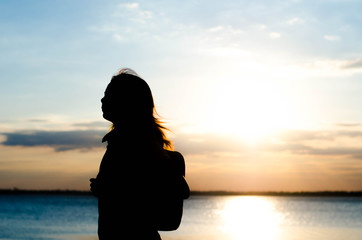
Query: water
[[48, 217]]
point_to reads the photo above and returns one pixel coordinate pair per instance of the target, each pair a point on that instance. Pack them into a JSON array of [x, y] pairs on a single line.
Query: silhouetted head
[[128, 104], [127, 98]]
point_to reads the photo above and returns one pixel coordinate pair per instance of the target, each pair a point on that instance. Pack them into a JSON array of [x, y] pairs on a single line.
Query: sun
[[251, 110]]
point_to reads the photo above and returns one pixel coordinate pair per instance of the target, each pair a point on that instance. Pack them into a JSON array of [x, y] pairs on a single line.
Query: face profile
[[127, 98], [107, 107]]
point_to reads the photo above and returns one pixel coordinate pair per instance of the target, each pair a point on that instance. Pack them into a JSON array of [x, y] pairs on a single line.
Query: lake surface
[[60, 217]]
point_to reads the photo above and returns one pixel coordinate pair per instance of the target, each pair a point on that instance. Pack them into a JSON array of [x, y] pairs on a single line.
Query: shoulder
[[178, 160], [175, 155]]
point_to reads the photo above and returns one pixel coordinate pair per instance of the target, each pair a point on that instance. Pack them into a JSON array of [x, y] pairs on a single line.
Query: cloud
[[352, 64], [118, 37], [341, 141], [335, 66], [99, 125], [129, 22], [216, 29], [134, 13], [225, 30], [332, 38], [37, 120], [294, 21], [59, 140], [207, 143], [302, 149], [260, 26], [87, 139], [348, 124], [332, 143], [324, 143], [129, 5], [274, 35]]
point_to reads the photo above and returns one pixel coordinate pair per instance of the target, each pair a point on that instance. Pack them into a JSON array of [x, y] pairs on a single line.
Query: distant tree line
[[201, 193]]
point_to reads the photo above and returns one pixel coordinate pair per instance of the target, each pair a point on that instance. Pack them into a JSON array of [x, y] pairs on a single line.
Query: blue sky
[[275, 81]]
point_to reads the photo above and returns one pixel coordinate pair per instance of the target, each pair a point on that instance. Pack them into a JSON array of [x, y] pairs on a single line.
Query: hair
[[135, 97]]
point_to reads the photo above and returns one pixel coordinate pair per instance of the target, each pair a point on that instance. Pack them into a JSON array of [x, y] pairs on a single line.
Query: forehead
[[117, 90], [108, 89], [113, 88]]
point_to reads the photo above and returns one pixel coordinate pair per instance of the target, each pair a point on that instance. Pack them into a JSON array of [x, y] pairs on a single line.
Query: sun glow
[[251, 218], [251, 110]]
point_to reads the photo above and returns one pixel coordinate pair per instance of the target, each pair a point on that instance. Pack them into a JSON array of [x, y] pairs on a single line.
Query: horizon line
[[327, 193]]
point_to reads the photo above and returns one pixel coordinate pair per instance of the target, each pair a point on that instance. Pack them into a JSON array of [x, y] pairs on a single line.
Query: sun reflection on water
[[250, 217]]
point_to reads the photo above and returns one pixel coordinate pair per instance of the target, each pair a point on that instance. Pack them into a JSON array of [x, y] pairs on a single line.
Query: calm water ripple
[[48, 217]]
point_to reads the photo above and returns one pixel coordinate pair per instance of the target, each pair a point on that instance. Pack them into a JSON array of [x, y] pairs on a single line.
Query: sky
[[259, 95]]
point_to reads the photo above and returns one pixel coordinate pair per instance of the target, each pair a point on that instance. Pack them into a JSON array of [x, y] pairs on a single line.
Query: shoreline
[[16, 191]]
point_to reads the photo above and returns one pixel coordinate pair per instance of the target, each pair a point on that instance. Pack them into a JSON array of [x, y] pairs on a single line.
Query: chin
[[105, 116]]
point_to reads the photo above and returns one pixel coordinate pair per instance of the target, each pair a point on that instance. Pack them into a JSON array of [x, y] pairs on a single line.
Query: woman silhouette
[[138, 172]]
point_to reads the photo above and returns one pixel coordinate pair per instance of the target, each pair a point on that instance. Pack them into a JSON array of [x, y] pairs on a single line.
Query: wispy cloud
[[338, 142], [129, 5], [92, 125], [134, 12], [349, 125], [216, 29], [333, 67], [59, 140], [207, 143], [207, 154], [331, 143], [119, 37], [225, 30], [332, 38], [128, 22], [260, 26], [274, 35], [294, 21], [352, 64]]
